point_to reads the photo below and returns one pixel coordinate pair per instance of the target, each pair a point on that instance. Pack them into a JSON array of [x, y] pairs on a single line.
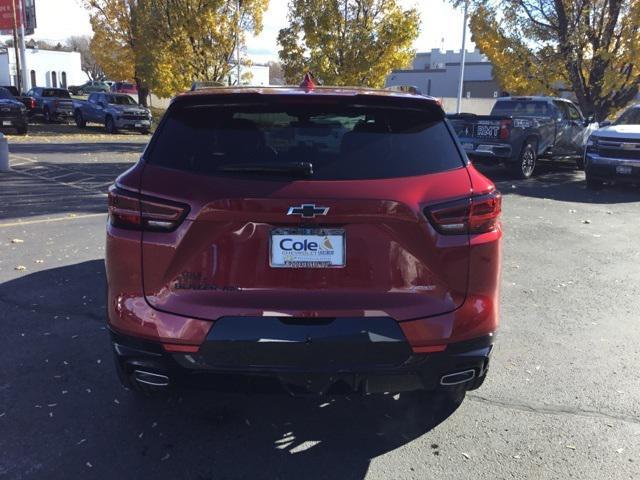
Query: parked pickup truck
[[612, 153], [52, 103], [13, 114], [28, 102], [521, 130], [113, 110]]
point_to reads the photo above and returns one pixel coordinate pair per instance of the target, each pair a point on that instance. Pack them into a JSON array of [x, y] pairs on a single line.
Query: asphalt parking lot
[[562, 399]]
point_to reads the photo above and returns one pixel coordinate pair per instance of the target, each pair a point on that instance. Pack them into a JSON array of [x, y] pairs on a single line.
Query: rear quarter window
[[342, 141]]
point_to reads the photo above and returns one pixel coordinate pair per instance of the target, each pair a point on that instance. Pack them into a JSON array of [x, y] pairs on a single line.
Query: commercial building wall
[[45, 68]]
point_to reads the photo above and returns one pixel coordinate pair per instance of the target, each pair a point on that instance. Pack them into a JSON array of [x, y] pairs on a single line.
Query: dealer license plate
[[623, 170], [6, 122], [307, 248]]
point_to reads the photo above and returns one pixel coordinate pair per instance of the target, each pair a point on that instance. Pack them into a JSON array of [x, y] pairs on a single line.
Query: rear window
[[50, 92], [341, 141], [524, 108]]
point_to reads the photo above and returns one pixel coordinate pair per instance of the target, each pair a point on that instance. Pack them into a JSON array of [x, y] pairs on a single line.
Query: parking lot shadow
[[47, 189], [560, 182], [85, 425]]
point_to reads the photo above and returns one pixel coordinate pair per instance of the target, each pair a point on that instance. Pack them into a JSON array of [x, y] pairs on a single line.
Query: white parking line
[[50, 220]]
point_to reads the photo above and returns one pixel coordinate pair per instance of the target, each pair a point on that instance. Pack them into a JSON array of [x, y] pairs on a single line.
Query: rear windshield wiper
[[304, 169]]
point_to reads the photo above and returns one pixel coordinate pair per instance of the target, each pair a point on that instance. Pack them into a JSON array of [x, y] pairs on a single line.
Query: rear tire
[[110, 125], [47, 115], [80, 122], [594, 183], [22, 129], [525, 165], [580, 162], [144, 131]]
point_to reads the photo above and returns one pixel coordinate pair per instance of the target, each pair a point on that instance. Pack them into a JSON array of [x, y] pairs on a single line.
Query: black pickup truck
[[521, 130], [28, 102]]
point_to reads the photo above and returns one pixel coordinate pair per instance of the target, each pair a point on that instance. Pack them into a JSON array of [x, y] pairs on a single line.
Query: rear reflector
[[473, 215], [137, 212]]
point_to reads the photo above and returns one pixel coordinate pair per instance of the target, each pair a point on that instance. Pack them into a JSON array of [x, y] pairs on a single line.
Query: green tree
[[347, 42], [591, 47]]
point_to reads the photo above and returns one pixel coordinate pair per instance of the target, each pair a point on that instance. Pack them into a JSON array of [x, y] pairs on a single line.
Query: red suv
[[320, 240]]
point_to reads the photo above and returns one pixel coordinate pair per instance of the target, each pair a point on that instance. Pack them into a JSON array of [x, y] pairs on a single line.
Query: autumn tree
[[591, 47], [347, 42], [166, 45], [120, 40]]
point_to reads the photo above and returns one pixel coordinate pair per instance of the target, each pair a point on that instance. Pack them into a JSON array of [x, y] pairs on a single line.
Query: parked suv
[[52, 103], [90, 87], [320, 240], [612, 153]]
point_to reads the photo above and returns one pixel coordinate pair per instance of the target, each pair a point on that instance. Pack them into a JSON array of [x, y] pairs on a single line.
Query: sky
[[441, 25]]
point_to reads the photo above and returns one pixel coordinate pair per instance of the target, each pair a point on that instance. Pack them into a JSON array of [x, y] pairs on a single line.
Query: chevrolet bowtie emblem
[[308, 210]]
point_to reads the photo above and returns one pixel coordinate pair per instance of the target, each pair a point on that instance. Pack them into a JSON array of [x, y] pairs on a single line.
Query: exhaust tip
[[150, 378], [458, 377]]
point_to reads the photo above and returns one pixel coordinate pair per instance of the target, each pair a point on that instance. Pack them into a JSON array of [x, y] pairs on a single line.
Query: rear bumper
[[606, 168], [487, 151], [322, 360]]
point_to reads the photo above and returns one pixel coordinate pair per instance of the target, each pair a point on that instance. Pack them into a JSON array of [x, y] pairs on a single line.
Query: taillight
[[505, 129], [468, 216], [32, 103], [138, 212]]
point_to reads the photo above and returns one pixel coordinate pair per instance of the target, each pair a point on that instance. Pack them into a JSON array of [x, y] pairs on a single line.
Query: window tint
[[630, 117], [521, 108], [341, 141], [121, 100], [574, 114], [55, 92], [5, 94]]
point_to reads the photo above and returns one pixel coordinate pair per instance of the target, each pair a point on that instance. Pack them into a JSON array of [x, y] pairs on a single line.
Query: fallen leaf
[[88, 464], [465, 455], [166, 457], [20, 268], [39, 261], [586, 221], [17, 240], [570, 447]]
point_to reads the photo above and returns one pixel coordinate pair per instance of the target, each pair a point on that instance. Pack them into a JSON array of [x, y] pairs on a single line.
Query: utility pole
[[463, 52], [238, 41], [15, 45], [23, 52]]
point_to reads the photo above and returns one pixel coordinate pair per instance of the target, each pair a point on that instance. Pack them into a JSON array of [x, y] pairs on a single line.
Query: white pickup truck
[[612, 153]]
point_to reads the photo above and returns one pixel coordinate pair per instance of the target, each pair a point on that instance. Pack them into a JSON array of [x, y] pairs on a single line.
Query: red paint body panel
[[396, 264], [172, 286]]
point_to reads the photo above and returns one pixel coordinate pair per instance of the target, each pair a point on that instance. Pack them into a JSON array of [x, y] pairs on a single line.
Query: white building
[[255, 75], [45, 68]]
